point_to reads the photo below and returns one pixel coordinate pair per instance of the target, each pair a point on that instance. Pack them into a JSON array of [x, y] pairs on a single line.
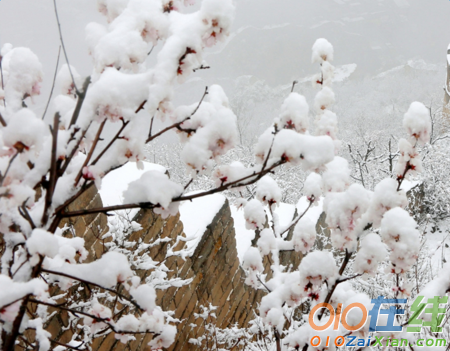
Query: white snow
[[244, 236], [314, 212], [116, 182], [344, 72], [196, 215]]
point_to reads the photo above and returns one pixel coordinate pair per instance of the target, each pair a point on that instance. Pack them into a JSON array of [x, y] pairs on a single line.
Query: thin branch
[[74, 312], [402, 177], [64, 48], [188, 184], [178, 124], [2, 177], [81, 97], [74, 151], [141, 106], [294, 223], [293, 85], [257, 276], [349, 278], [94, 284], [151, 127], [107, 321], [117, 136], [2, 120], [348, 256], [25, 214], [53, 84], [53, 169], [201, 67], [235, 184], [91, 152], [3, 88], [107, 209]]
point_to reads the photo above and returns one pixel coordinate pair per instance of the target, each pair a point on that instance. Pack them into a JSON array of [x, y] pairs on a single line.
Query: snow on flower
[[304, 236], [24, 131], [385, 198], [22, 75], [324, 99], [316, 268], [254, 214], [326, 124], [164, 339], [267, 241], [101, 312], [294, 113], [371, 252], [253, 260], [417, 122], [267, 191], [409, 160], [336, 177], [145, 296], [154, 187], [399, 233], [312, 187], [310, 152], [344, 210], [322, 50]]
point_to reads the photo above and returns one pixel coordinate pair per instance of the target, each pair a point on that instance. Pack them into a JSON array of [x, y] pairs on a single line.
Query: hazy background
[[271, 44]]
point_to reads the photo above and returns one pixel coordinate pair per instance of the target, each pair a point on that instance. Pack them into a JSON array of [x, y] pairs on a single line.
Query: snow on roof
[[116, 182], [196, 215]]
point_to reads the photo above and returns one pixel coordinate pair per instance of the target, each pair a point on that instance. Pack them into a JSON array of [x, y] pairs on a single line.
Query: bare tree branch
[[53, 84]]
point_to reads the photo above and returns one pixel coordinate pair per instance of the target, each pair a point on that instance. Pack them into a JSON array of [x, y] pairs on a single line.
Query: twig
[[263, 284], [74, 150], [91, 152], [221, 188], [3, 85], [201, 67], [2, 120], [298, 218], [293, 85], [25, 214], [100, 155], [345, 262], [53, 169], [2, 177], [178, 124], [81, 97], [94, 284], [64, 48], [53, 84]]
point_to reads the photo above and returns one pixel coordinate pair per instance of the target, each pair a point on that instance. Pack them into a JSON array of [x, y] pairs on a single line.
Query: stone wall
[[214, 270], [216, 275]]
